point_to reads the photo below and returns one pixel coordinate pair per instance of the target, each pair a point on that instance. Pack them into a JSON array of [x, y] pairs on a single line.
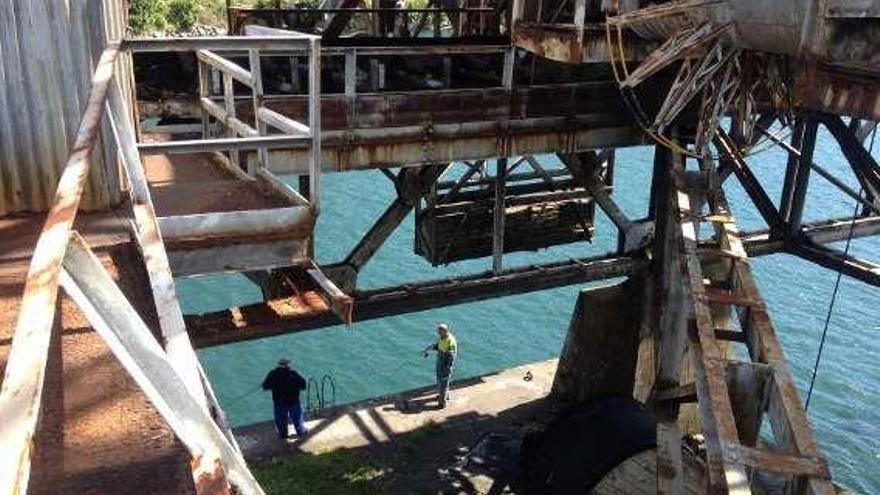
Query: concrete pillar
[[599, 355]]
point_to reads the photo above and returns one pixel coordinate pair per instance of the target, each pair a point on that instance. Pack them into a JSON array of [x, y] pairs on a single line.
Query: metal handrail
[[239, 134]]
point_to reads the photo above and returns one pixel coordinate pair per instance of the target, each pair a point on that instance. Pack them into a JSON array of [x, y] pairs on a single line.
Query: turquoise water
[[501, 333]]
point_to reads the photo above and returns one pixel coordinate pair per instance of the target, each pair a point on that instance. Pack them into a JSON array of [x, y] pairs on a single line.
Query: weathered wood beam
[[21, 392], [792, 432], [708, 357]]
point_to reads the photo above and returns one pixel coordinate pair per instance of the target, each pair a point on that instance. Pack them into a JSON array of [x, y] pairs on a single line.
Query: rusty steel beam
[[411, 145], [21, 394], [839, 261], [223, 327], [217, 328], [759, 242], [750, 183], [866, 169]]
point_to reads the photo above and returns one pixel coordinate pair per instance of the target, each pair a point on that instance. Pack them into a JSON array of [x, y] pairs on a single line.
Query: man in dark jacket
[[286, 385]]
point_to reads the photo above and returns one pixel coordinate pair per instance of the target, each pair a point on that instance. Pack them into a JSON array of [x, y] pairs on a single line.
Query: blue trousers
[[289, 413]]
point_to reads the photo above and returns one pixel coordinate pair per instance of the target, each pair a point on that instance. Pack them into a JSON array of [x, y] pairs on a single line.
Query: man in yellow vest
[[447, 350]]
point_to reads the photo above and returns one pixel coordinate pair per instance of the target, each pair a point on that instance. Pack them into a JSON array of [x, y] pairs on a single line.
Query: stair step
[[719, 296], [778, 462]]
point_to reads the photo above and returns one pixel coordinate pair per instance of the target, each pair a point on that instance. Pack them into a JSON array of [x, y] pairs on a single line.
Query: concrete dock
[[497, 407]]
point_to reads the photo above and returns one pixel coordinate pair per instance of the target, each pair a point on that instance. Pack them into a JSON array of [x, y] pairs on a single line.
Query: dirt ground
[[189, 184], [98, 433]]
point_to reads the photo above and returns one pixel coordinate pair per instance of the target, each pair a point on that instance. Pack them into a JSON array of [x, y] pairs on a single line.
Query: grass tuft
[[338, 472]]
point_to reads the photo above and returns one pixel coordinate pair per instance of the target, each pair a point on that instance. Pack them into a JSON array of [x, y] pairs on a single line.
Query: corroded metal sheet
[[562, 43], [47, 53], [837, 92]]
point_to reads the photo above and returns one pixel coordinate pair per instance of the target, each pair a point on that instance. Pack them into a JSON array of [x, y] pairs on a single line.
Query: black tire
[[581, 446]]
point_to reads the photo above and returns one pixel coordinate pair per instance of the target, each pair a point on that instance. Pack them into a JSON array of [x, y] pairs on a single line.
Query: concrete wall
[[600, 352], [48, 49]]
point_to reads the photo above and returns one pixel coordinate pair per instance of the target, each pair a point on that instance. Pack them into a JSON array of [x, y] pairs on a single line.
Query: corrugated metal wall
[[48, 50]]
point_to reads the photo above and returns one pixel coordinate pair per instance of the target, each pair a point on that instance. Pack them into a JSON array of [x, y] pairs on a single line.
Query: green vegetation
[[332, 473], [176, 16], [183, 14], [145, 16]]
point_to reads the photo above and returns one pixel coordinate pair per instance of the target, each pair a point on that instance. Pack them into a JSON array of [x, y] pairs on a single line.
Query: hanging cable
[[834, 293]]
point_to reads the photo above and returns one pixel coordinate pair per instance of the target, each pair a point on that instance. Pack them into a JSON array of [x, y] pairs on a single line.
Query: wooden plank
[[670, 471], [730, 335], [21, 393], [775, 462], [128, 337], [679, 394], [749, 387]]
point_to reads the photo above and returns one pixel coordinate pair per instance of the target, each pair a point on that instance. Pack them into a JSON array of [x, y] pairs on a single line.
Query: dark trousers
[[445, 364], [289, 413]]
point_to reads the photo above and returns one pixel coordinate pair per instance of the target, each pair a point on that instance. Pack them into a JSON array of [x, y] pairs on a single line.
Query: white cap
[[443, 326]]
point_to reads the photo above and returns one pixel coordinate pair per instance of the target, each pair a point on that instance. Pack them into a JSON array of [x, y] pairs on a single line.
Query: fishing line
[[405, 362], [836, 287], [242, 396]]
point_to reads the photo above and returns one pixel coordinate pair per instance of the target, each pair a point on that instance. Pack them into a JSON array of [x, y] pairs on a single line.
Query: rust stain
[[210, 482]]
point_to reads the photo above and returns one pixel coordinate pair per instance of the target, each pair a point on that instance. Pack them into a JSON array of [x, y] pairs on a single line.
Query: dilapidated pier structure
[[112, 185]]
